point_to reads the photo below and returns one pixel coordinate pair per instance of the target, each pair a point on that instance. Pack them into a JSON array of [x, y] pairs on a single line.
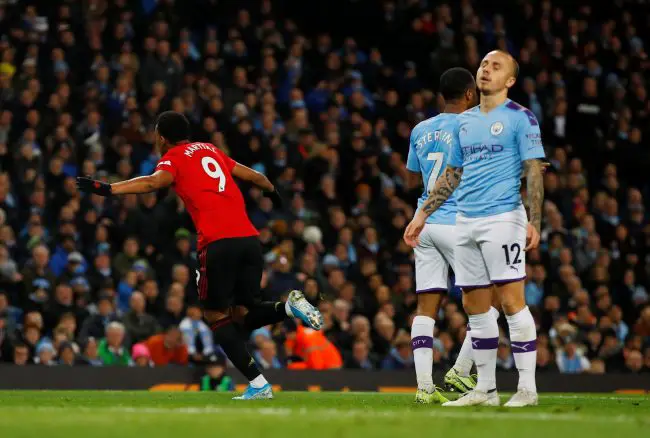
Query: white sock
[[288, 309], [258, 382], [523, 341], [422, 344], [465, 359], [485, 340]]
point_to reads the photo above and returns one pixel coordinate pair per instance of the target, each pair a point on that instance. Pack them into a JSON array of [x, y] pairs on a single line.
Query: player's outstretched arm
[[534, 172], [444, 187], [142, 184], [247, 174], [260, 180]]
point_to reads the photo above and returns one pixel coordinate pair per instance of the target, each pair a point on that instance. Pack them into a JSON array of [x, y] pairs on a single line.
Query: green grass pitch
[[97, 414]]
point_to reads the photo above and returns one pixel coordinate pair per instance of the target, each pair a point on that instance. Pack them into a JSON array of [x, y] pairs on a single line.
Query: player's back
[[492, 148], [432, 141], [203, 180]]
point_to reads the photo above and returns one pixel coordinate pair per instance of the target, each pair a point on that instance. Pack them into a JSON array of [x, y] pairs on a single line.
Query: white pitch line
[[593, 397], [333, 414], [544, 396]]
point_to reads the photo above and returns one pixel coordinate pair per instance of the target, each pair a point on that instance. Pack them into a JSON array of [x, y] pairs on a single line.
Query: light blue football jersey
[[432, 141], [491, 149]]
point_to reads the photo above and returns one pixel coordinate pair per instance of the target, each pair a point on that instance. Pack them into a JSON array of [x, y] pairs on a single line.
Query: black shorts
[[230, 272]]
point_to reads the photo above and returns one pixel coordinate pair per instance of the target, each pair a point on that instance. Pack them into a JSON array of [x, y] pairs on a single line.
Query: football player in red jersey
[[229, 252]]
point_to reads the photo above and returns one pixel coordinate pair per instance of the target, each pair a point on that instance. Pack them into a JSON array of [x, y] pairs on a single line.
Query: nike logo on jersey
[[167, 163]]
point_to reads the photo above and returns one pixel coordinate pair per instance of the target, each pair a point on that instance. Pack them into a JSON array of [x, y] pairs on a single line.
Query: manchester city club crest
[[496, 128]]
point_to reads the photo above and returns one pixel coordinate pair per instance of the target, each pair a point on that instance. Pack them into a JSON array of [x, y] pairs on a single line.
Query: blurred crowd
[[320, 96]]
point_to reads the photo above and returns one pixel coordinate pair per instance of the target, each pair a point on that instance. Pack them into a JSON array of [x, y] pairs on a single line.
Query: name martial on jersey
[[193, 147]]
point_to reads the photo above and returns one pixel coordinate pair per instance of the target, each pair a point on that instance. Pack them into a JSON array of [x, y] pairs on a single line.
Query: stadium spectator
[[5, 343], [37, 269], [168, 348], [66, 354], [266, 355], [13, 315], [95, 325], [141, 356], [197, 336], [139, 324], [360, 357], [173, 313], [215, 378], [570, 360], [91, 353], [20, 354], [400, 356], [311, 349], [45, 354], [112, 350]]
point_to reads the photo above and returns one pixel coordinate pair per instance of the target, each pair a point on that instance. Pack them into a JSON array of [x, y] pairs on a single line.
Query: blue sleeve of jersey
[[455, 151], [412, 161], [529, 137]]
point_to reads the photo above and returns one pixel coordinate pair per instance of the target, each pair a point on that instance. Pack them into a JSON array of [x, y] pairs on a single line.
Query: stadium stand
[[322, 102]]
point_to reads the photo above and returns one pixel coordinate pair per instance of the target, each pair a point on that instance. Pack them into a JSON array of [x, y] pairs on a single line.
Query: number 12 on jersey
[[437, 158], [511, 251]]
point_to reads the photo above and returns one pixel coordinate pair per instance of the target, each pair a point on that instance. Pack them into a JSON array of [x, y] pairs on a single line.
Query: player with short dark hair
[[431, 143], [229, 251]]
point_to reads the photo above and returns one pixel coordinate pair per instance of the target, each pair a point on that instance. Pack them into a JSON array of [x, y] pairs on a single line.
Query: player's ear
[[469, 95], [510, 81]]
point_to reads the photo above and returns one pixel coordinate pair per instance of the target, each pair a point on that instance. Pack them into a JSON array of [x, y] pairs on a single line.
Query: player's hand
[[275, 197], [413, 230], [532, 238], [545, 166], [94, 186]]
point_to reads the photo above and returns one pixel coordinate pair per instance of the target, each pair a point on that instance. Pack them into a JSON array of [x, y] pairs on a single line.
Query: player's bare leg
[[422, 343], [228, 337], [523, 341], [484, 335], [458, 378]]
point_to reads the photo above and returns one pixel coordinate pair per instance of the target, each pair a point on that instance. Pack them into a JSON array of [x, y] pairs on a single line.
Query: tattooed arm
[[444, 187], [533, 170], [442, 190]]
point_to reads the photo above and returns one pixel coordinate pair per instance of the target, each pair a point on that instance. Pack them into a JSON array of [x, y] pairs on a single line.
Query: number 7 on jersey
[[437, 158]]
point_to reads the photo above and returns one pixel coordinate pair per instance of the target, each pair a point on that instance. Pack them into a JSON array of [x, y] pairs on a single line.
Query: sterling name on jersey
[[491, 149], [432, 142]]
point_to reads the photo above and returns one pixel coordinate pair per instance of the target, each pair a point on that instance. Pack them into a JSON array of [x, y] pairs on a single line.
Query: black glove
[[94, 186], [275, 197]]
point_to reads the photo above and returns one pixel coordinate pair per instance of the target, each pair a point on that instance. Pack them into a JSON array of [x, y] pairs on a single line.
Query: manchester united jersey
[[203, 180]]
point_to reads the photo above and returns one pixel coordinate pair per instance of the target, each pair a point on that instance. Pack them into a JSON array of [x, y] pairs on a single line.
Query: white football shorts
[[433, 256], [490, 250]]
